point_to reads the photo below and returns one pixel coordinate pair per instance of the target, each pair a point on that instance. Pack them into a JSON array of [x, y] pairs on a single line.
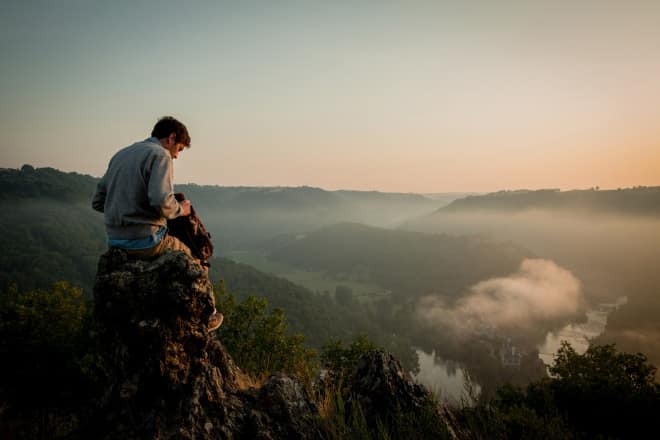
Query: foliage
[[46, 183], [342, 361], [318, 317], [49, 367], [619, 389], [47, 241], [599, 394], [258, 341], [344, 418], [603, 365], [50, 233]]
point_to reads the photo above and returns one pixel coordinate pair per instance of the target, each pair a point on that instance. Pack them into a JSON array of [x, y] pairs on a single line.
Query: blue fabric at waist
[[140, 243]]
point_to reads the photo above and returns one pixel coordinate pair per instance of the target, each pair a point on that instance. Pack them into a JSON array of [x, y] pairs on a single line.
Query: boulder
[[388, 396]]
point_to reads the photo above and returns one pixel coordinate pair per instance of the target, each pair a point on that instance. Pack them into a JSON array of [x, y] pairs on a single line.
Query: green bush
[[49, 368], [258, 341], [598, 394]]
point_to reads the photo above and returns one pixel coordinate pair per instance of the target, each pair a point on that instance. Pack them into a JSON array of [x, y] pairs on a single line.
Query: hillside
[[410, 264], [238, 217], [321, 318], [49, 231], [45, 183], [244, 217], [628, 201]]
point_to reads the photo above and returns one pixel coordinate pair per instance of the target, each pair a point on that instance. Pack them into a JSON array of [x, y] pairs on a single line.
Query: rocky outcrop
[[384, 391], [382, 387], [168, 377]]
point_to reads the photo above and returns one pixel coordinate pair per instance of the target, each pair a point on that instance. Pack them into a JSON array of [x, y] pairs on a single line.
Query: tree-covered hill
[[238, 217], [320, 317], [244, 217], [628, 201], [45, 183], [306, 312], [48, 231], [410, 264], [45, 240]]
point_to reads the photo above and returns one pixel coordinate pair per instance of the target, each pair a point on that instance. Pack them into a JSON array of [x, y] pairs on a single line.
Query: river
[[579, 335], [445, 378]]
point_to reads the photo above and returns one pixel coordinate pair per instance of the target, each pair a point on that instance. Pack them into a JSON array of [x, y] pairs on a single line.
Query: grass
[[246, 381]]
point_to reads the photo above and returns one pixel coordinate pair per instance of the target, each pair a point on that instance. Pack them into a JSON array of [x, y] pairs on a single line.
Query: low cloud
[[540, 291]]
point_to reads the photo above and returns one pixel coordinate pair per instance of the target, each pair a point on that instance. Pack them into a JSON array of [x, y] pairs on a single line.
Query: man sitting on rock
[[136, 196]]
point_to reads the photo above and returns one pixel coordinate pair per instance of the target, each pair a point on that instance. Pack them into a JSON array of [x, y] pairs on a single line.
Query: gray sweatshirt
[[136, 192]]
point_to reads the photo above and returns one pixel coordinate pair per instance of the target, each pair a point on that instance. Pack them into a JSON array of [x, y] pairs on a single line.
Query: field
[[318, 282]]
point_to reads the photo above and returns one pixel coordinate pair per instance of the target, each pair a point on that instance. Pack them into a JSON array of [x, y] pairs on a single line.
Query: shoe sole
[[218, 324]]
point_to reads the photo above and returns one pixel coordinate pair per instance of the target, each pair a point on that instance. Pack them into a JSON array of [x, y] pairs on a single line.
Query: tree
[[341, 360], [604, 391], [258, 341], [599, 394], [602, 364], [48, 366]]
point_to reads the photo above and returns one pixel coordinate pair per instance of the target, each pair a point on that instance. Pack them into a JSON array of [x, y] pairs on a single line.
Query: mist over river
[[447, 378]]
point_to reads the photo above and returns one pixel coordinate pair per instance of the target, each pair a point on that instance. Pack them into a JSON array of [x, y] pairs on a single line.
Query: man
[[136, 195]]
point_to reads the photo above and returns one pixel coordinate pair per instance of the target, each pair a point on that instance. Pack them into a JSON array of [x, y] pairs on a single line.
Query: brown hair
[[168, 125]]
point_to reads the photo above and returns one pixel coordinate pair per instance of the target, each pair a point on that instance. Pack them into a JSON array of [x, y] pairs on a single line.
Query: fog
[[538, 293], [612, 256], [250, 226], [609, 254]]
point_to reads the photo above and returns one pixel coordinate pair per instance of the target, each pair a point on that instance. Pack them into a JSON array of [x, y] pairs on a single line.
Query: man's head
[[172, 134]]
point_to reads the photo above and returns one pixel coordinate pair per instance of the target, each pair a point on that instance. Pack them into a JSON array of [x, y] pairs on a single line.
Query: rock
[[382, 386], [168, 377], [383, 390], [288, 402]]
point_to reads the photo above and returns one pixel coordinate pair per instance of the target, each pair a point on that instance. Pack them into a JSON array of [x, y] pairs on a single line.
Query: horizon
[[440, 193], [412, 98]]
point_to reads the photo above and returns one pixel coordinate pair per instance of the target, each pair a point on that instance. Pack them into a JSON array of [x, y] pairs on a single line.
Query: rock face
[[384, 390], [168, 377], [382, 387]]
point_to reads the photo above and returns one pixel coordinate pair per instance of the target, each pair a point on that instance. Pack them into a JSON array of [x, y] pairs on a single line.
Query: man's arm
[[98, 202], [161, 190]]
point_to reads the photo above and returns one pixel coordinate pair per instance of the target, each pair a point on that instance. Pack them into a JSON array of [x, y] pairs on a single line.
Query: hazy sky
[[421, 96]]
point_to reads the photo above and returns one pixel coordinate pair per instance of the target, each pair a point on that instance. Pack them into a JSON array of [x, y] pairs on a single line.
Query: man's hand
[[185, 208]]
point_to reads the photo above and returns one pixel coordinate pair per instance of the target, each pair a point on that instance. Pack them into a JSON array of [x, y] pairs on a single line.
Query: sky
[[407, 96]]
